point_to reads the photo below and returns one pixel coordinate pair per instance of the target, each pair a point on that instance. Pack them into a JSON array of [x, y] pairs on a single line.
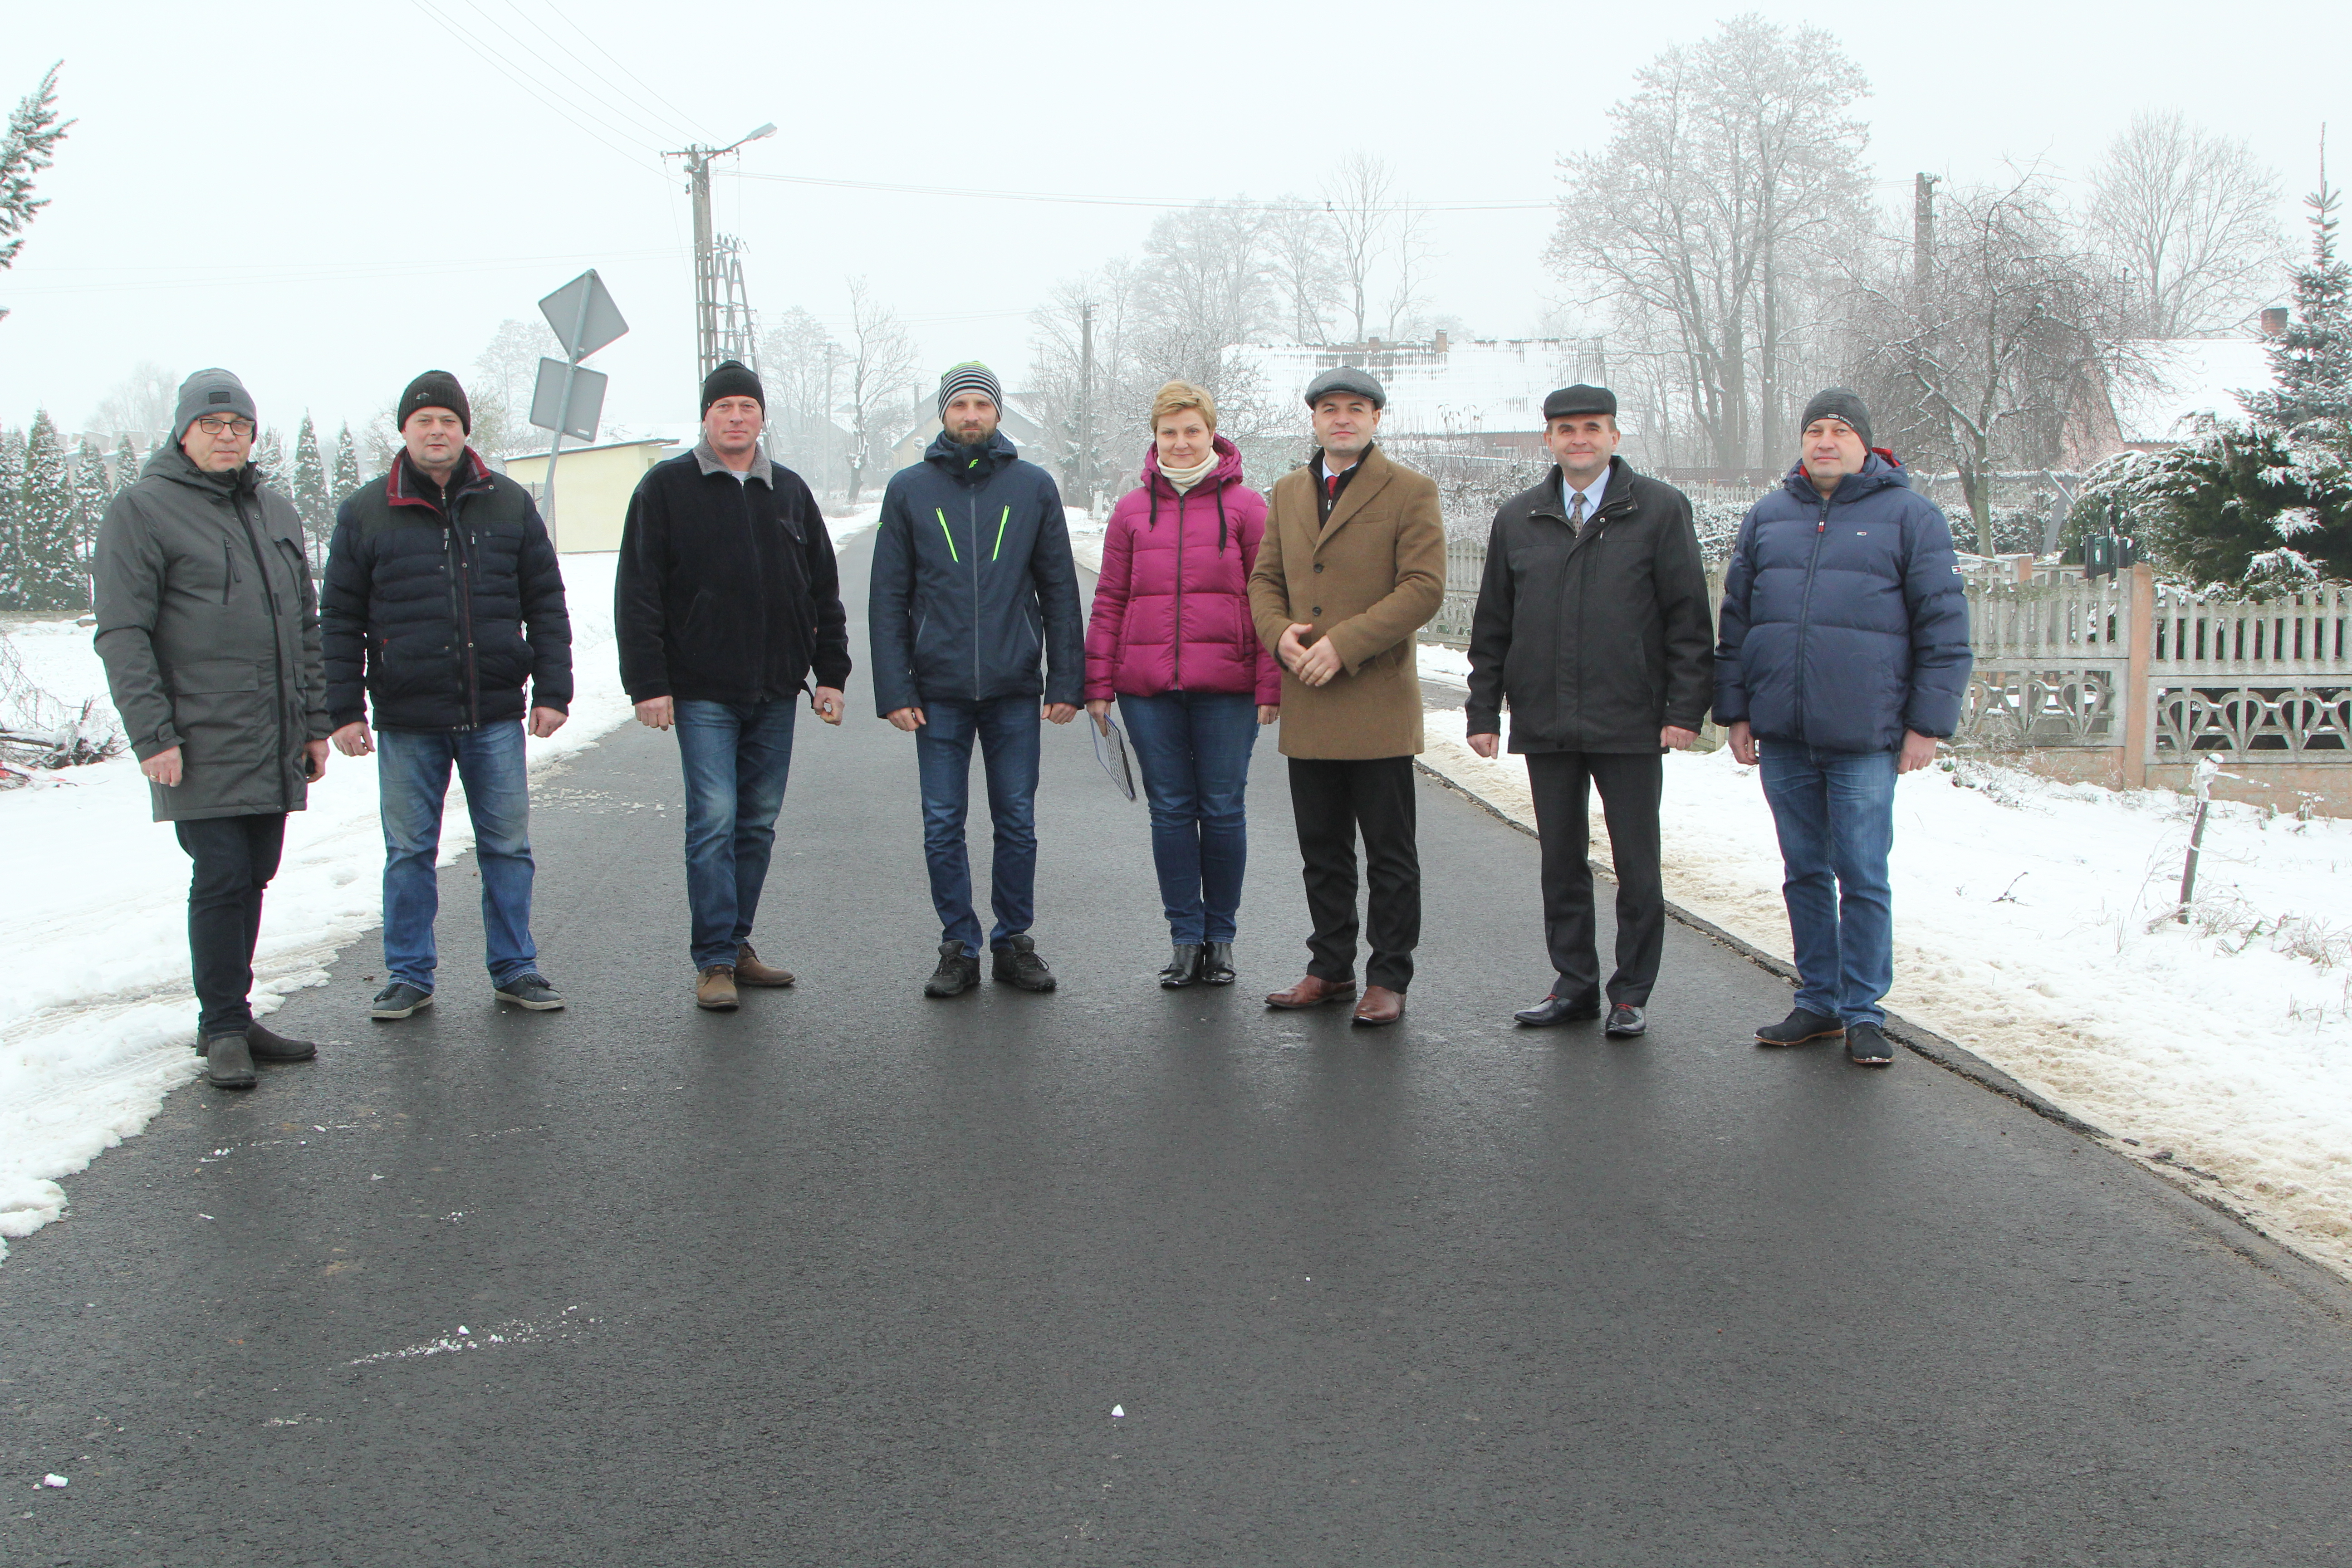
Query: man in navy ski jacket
[[975, 618], [1842, 658]]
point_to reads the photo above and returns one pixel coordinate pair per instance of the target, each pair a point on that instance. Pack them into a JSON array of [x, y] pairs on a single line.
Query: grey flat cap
[[1348, 378]]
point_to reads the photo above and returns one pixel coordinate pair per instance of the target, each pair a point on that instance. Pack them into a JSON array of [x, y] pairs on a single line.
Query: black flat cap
[[1579, 399]]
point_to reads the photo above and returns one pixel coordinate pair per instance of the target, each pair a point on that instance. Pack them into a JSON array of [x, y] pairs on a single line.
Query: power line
[[1103, 200], [491, 58], [319, 272], [610, 102], [683, 119]]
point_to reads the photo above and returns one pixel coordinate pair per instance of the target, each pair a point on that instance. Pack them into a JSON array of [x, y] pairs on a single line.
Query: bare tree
[[1089, 413], [506, 375], [1407, 287], [800, 363], [140, 406], [2191, 219], [1732, 166], [1360, 199], [2014, 336], [880, 368], [1302, 255]]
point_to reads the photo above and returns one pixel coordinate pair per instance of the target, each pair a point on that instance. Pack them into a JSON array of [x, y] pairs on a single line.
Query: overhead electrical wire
[[1069, 199], [651, 92], [615, 106], [491, 58]]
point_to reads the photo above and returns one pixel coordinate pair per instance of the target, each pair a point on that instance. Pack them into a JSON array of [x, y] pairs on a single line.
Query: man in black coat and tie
[[1592, 624]]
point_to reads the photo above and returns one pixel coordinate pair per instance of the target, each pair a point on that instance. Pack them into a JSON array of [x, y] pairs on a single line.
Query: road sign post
[[583, 318]]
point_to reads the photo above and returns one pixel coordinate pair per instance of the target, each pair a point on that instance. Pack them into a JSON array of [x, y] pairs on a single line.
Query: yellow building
[[593, 486]]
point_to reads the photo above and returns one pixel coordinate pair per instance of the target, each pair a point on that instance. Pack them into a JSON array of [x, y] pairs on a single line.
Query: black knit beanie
[[1839, 403], [733, 378], [435, 389]]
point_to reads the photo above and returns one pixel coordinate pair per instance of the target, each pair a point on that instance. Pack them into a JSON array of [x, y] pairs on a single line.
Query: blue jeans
[[1834, 812], [737, 757], [412, 785], [1007, 731], [1194, 748]]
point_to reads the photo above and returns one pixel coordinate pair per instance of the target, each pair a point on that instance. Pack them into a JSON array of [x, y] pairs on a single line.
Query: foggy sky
[[327, 198]]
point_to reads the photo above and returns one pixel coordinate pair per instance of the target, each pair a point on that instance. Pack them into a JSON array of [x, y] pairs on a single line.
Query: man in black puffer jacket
[[442, 599], [1843, 658], [1592, 622]]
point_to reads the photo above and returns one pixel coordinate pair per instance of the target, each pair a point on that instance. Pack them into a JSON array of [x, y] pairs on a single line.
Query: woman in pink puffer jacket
[[1171, 639]]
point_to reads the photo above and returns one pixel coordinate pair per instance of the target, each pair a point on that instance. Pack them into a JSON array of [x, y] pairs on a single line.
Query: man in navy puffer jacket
[[1843, 659], [974, 616]]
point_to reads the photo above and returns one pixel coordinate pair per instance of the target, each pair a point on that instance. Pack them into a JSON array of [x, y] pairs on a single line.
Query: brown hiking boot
[[750, 971], [716, 989]]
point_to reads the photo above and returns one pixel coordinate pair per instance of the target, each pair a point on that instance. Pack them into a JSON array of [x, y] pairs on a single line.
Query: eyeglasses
[[217, 425]]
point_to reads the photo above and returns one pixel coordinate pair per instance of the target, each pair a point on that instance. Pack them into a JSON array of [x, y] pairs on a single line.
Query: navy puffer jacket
[[443, 616], [973, 582], [1843, 621]]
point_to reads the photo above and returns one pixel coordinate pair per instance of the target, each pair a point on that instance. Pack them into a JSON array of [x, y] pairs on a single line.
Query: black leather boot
[[1217, 963], [1183, 966]]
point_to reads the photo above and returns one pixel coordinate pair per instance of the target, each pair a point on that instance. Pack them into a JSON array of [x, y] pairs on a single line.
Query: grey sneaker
[[229, 1062], [398, 1000], [1014, 961], [1866, 1046], [530, 991]]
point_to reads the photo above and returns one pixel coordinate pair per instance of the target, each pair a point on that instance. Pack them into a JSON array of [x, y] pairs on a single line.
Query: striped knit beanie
[[969, 376]]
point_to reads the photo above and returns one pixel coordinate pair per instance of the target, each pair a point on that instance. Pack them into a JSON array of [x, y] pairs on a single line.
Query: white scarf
[[1185, 479]]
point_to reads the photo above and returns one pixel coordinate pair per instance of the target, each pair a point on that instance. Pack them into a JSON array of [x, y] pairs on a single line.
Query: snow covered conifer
[[2311, 362], [91, 491], [126, 464], [12, 507], [54, 575], [270, 458], [347, 471], [309, 494]]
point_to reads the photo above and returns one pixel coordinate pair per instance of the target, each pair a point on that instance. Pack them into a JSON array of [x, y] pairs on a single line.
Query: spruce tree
[[126, 463], [54, 573], [310, 495], [91, 491], [269, 457], [2311, 362], [347, 466], [11, 511]]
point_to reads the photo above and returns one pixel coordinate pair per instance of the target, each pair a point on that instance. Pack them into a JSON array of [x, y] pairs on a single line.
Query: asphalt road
[[854, 1277]]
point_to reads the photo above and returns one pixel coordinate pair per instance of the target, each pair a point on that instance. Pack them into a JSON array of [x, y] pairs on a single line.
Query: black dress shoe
[[1558, 1010], [1217, 963], [1183, 967], [1625, 1021]]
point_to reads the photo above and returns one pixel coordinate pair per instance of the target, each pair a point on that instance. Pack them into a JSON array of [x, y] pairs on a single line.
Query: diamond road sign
[[587, 403], [584, 316]]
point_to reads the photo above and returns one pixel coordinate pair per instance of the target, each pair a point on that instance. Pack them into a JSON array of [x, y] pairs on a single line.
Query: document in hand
[[1110, 750]]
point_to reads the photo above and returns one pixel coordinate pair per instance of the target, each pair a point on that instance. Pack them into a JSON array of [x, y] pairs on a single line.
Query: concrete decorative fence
[[2125, 683]]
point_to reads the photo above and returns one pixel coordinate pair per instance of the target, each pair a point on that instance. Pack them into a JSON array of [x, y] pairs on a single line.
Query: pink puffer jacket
[[1172, 611]]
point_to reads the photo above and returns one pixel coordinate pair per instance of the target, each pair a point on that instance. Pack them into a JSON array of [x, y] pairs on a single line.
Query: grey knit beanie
[[969, 376], [213, 391], [1839, 403]]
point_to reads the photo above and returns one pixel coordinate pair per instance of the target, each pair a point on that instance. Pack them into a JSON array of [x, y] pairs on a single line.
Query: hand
[[1743, 743], [1320, 665], [907, 719], [354, 740], [1485, 745], [1060, 713], [825, 702], [1919, 751], [1097, 708], [1267, 712], [656, 714], [1289, 649], [546, 721], [1674, 738], [163, 768], [314, 761]]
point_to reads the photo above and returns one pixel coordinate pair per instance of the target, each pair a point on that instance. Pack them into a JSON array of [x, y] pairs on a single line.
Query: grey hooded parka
[[208, 625]]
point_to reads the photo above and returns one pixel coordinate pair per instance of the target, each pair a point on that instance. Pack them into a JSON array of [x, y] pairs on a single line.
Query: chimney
[[1373, 344], [1439, 344], [2274, 320]]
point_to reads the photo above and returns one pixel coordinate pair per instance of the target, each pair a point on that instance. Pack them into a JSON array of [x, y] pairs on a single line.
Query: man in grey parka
[[208, 624]]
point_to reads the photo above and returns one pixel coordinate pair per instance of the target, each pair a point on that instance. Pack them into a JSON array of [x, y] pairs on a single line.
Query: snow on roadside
[[96, 1018], [2032, 925]]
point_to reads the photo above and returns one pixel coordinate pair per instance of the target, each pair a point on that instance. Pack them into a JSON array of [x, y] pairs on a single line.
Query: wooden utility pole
[[1923, 232], [707, 270], [1085, 403]]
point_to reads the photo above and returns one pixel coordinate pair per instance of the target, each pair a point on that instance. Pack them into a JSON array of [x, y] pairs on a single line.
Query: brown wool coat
[[1368, 580]]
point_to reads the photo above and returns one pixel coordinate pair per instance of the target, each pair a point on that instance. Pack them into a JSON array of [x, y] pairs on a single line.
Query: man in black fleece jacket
[[725, 600]]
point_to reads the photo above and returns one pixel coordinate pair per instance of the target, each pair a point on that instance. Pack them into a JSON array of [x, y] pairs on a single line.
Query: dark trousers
[[1332, 801], [1630, 785], [236, 856]]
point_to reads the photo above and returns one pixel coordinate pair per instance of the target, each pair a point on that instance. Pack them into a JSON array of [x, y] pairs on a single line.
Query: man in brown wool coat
[[1352, 566]]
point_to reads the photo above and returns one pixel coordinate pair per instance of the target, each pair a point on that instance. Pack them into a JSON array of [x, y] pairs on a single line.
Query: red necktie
[[1332, 486]]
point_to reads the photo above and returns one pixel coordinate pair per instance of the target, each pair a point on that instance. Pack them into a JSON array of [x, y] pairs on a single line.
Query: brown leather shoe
[[750, 971], [1379, 1005], [1313, 992], [716, 989]]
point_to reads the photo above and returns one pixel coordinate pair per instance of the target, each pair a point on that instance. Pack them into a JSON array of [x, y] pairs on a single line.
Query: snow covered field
[[96, 1017], [2033, 926]]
